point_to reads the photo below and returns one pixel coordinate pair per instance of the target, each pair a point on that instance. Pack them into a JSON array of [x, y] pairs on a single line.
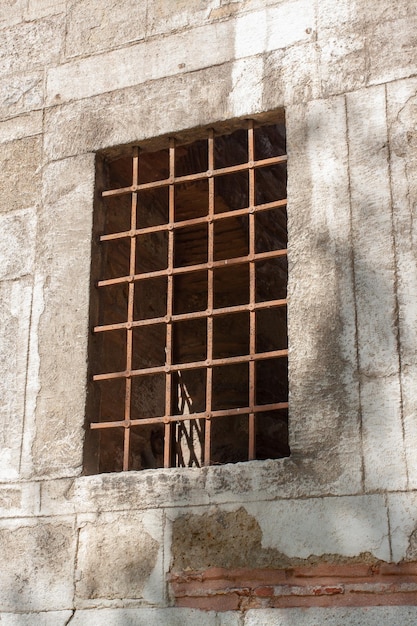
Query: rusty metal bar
[[170, 297], [180, 317], [130, 306], [195, 221], [193, 177], [278, 406], [162, 369], [252, 297], [210, 302], [188, 269]]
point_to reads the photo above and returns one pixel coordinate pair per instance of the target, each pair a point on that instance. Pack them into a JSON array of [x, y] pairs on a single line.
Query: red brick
[[324, 585], [263, 592]]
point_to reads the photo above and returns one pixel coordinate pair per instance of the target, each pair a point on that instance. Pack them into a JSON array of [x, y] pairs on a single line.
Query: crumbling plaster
[[74, 80]]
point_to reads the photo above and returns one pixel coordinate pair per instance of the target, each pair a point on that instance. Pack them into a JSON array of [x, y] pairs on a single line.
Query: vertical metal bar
[[130, 306], [252, 293], [210, 300], [170, 298]]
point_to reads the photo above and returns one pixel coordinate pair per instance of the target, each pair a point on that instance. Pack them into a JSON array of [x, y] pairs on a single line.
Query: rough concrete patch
[[233, 539], [411, 553], [116, 557], [222, 539]]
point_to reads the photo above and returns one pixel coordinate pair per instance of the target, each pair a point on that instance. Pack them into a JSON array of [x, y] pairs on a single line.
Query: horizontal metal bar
[[278, 406], [174, 180], [179, 367], [195, 221], [188, 269], [180, 317]]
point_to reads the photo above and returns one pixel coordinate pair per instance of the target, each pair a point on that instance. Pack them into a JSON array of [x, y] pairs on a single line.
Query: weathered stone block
[[58, 494], [246, 89], [402, 106], [151, 617], [402, 509], [25, 125], [119, 118], [372, 232], [353, 616], [51, 618], [392, 57], [286, 24], [15, 306], [164, 16], [10, 498], [21, 93], [323, 361], [93, 26], [140, 490], [357, 15], [273, 28], [403, 516], [11, 12], [328, 17], [18, 230], [37, 563], [120, 556], [19, 171], [375, 290], [290, 76], [409, 407], [141, 63], [31, 44], [42, 8], [63, 262], [343, 61], [19, 500], [383, 443]]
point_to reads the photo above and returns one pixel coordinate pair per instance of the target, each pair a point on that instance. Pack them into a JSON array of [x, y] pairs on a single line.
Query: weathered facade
[[325, 535]]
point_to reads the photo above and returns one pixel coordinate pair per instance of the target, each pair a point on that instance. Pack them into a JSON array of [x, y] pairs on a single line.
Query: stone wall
[[76, 78]]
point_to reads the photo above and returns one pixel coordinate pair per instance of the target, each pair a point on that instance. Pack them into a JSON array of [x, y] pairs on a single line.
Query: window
[[189, 349]]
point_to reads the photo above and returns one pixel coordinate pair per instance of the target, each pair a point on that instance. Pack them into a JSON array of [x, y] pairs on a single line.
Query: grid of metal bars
[[170, 368]]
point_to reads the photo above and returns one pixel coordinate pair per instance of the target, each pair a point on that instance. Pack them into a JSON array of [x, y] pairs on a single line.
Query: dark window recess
[[188, 355]]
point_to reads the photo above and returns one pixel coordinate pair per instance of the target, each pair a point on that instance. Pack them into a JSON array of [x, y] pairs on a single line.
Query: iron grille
[[194, 247]]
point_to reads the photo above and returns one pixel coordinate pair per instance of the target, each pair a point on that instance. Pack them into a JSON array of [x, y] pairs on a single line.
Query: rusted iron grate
[[198, 246]]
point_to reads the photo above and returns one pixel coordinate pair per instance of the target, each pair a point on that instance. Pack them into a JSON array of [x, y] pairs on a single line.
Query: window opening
[[189, 351]]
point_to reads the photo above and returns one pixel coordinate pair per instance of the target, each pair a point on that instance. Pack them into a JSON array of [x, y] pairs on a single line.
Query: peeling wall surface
[[327, 535]]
